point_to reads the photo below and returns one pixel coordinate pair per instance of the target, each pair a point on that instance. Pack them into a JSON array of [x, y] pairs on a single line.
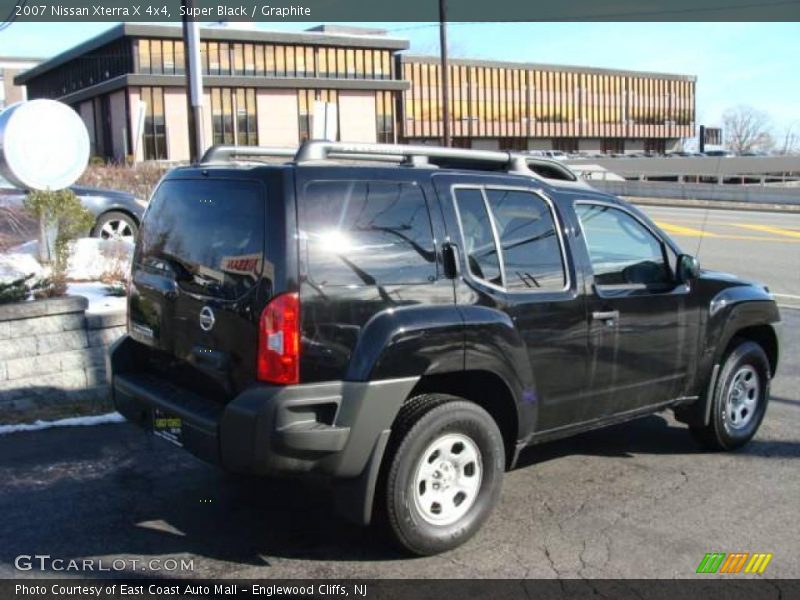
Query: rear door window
[[208, 234], [526, 229], [511, 239], [356, 233], [479, 242]]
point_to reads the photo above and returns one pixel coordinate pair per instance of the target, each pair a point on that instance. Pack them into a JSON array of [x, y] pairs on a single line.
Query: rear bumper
[[328, 428]]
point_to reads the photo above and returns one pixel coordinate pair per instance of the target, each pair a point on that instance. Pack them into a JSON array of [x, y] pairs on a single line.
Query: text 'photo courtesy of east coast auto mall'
[[399, 300]]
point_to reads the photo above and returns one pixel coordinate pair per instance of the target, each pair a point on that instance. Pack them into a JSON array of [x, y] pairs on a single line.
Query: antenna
[[708, 207]]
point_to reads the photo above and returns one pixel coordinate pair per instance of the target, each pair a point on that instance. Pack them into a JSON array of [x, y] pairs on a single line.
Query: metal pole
[[702, 139], [194, 82], [445, 74]]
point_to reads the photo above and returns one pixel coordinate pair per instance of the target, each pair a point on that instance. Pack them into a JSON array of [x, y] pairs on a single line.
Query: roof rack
[[415, 154], [412, 155], [221, 153]]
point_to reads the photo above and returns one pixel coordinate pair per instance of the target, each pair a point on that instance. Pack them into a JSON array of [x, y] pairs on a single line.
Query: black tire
[[120, 219], [722, 433], [441, 419]]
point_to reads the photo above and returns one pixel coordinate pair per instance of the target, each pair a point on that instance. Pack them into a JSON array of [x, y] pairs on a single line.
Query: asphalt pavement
[[634, 500]]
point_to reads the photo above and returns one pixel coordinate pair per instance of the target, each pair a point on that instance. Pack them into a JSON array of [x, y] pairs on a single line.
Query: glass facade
[[384, 117], [520, 102], [104, 63], [233, 116], [154, 136], [221, 58]]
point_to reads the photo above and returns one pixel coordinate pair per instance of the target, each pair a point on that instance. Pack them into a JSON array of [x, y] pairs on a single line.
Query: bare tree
[[747, 128], [790, 142]]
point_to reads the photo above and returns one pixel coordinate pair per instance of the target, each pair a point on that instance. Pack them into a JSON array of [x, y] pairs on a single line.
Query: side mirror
[[688, 268]]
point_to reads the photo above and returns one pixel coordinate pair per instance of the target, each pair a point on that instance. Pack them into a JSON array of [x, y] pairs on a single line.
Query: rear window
[[208, 234], [365, 233]]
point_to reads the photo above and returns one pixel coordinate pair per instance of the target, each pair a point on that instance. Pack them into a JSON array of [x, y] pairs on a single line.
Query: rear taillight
[[279, 341]]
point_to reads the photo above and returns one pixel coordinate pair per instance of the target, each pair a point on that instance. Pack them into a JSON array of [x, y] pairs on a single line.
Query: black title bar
[[405, 10]]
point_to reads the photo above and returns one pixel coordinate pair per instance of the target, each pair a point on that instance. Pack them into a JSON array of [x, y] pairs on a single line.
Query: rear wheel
[[740, 398], [116, 225], [444, 473]]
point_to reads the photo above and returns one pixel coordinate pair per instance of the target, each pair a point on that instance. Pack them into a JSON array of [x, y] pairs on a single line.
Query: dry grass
[[16, 226], [117, 258], [139, 179]]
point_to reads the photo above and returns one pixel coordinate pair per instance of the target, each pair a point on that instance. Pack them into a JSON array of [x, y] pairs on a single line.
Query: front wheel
[[740, 398], [116, 225], [445, 475]]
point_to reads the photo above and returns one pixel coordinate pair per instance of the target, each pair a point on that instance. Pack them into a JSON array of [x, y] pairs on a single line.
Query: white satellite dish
[[44, 145]]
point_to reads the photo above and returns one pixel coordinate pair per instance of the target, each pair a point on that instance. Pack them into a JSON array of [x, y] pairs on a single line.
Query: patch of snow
[[91, 258], [99, 300], [114, 417], [18, 263]]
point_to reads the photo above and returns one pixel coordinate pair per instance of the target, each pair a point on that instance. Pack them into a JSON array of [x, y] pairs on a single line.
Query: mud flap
[[354, 496], [698, 414]]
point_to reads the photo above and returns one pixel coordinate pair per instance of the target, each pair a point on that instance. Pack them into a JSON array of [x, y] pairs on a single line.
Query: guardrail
[[754, 194], [759, 168]]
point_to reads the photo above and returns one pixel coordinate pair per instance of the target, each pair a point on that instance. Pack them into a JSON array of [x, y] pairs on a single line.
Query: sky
[[753, 64]]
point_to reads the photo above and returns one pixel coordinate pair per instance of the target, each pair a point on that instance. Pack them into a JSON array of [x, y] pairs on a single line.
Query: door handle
[[605, 315], [450, 256]]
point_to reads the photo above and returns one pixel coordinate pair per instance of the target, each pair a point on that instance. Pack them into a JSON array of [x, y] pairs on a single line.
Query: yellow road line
[[769, 229], [682, 230], [679, 230]]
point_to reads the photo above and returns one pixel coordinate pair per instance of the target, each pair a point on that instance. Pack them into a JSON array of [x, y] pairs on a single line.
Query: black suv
[[405, 329]]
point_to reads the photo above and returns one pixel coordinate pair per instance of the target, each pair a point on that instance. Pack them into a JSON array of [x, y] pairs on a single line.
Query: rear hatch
[[199, 282]]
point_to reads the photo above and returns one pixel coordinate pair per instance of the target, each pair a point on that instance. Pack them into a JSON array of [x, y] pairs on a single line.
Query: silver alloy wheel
[[742, 400], [447, 479], [116, 229]]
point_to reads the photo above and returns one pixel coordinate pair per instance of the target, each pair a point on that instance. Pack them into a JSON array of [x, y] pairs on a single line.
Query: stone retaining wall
[[52, 352]]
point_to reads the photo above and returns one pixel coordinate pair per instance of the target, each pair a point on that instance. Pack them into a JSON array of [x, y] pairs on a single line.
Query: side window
[[532, 258], [479, 243], [622, 250], [365, 233]]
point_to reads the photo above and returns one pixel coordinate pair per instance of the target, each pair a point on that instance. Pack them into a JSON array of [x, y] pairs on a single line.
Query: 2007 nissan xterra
[[406, 319]]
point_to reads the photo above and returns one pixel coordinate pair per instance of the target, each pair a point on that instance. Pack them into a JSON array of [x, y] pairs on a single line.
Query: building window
[[259, 61], [234, 117], [246, 123], [515, 144], [280, 61], [224, 59], [144, 56], [656, 146], [213, 58], [384, 116], [168, 50], [154, 136], [568, 145], [238, 60], [612, 146], [269, 61], [306, 100], [180, 58], [156, 58]]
